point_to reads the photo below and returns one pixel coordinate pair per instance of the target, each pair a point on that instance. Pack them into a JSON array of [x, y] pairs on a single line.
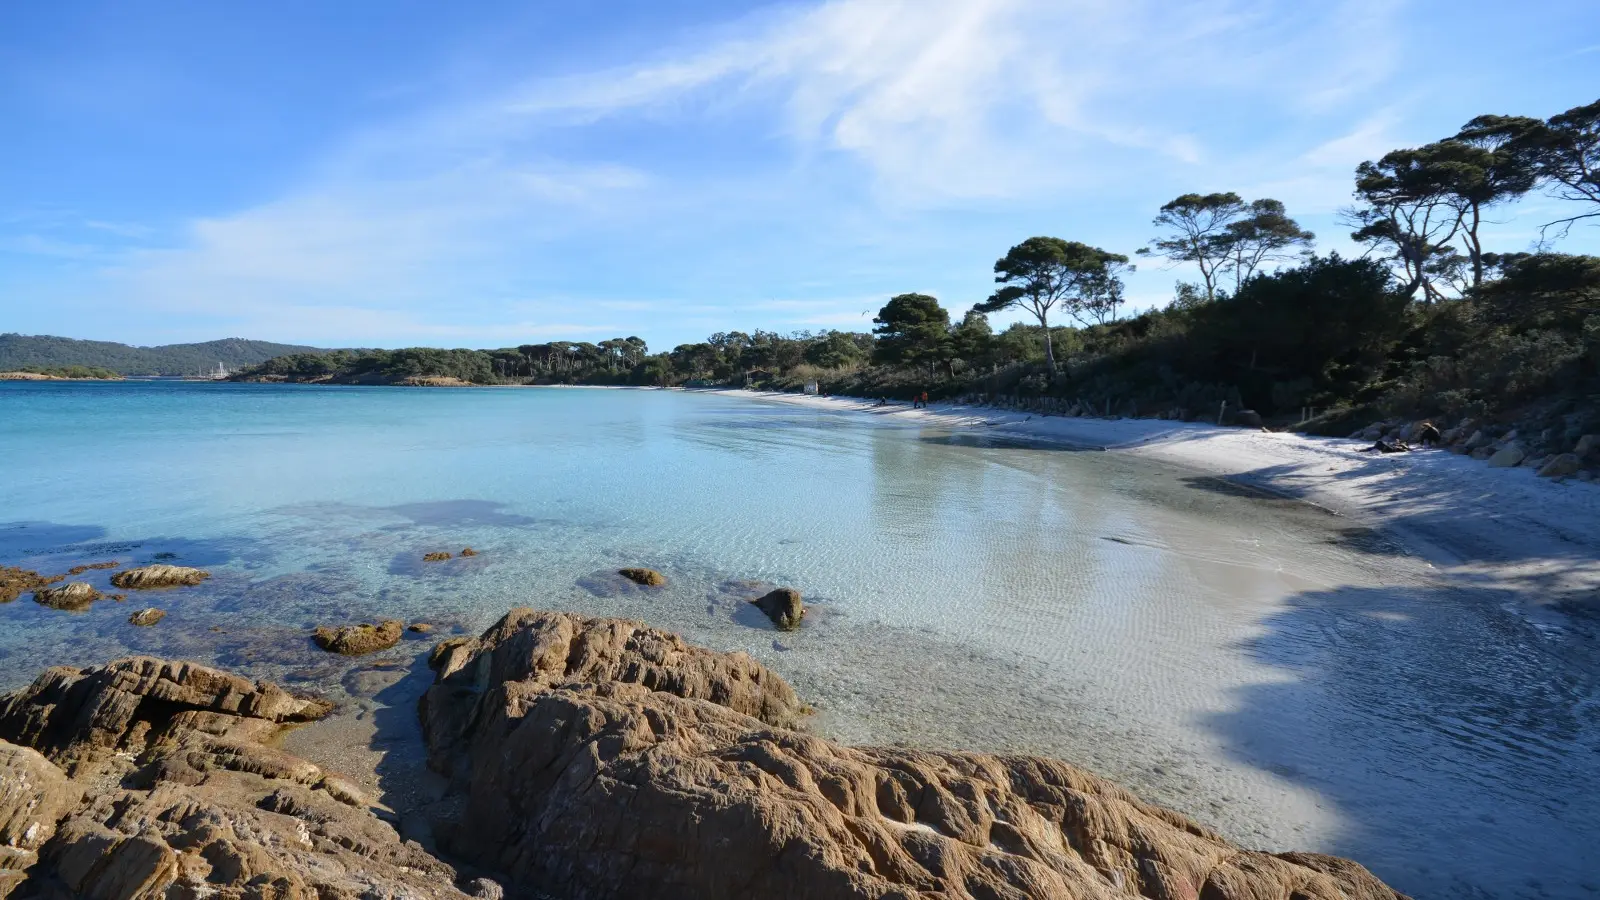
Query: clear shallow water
[[1256, 663]]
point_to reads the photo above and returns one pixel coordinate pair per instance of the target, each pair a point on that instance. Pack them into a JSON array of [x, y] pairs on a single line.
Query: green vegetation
[[1428, 323], [68, 371], [20, 352]]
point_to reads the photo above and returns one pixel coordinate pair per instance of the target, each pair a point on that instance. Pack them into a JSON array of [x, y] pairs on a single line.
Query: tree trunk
[[1049, 350]]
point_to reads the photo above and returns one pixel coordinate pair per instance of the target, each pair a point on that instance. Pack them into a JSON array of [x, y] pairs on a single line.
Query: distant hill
[[19, 351]]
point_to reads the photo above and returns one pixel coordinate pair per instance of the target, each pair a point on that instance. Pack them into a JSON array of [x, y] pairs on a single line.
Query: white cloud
[[936, 104]]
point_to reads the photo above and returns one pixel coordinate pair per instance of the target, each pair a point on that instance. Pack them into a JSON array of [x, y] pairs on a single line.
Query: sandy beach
[[1506, 528]]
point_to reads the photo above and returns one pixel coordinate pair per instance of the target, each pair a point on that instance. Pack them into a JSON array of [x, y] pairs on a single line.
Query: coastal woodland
[[1430, 321]]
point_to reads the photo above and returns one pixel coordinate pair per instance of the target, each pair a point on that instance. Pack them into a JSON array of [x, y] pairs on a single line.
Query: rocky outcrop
[[1561, 465], [144, 618], [783, 607], [15, 582], [538, 649], [173, 793], [1508, 456], [643, 577], [359, 640], [79, 570], [74, 596], [436, 556], [598, 758], [468, 551], [158, 576]]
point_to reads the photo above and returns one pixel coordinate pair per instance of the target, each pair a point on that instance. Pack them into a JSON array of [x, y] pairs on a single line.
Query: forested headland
[[1430, 321], [45, 353]]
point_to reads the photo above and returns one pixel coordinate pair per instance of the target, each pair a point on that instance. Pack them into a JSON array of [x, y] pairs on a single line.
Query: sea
[[1279, 673]]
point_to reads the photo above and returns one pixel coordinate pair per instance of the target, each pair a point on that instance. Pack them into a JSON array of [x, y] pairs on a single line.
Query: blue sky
[[487, 174]]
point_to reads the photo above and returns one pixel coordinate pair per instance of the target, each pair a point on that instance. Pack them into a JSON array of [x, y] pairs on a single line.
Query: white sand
[[1502, 527]]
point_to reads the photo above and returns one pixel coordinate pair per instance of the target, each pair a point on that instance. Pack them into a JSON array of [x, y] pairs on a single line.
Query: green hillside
[[22, 351]]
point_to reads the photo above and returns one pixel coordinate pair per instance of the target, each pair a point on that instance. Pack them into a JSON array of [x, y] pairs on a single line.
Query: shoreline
[[1483, 526]]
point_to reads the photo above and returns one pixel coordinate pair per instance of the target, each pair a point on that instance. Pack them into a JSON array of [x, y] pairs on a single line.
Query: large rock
[[594, 764], [74, 596], [1561, 465], [174, 794], [34, 795], [158, 576], [1508, 456], [1587, 446], [359, 640], [784, 607], [531, 647]]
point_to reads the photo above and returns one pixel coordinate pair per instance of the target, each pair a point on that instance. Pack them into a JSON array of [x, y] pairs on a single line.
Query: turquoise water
[[1257, 663]]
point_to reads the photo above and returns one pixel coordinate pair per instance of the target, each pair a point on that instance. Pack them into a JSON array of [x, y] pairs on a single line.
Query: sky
[[488, 174]]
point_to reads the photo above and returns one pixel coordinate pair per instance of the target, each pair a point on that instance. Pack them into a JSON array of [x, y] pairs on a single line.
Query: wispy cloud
[[849, 115]]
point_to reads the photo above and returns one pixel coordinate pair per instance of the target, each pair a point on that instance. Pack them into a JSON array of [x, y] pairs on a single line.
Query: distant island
[[59, 373], [46, 353]]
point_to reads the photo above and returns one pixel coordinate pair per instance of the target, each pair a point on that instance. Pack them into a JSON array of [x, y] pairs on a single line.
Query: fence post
[[1222, 411]]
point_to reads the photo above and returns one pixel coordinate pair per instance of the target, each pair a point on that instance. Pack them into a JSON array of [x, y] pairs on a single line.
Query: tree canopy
[[1043, 272]]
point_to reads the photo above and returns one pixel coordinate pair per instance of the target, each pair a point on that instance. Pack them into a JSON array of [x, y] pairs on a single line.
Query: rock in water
[[645, 577], [439, 556], [173, 793], [144, 618], [1561, 466], [359, 640], [468, 551], [158, 576], [783, 607], [74, 596], [584, 746], [15, 582]]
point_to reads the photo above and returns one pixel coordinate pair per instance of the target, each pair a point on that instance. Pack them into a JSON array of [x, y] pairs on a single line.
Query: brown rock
[[158, 576], [15, 582], [435, 557], [79, 570], [1561, 465], [468, 551], [543, 648], [584, 762], [357, 640], [1508, 456], [420, 627], [645, 577], [183, 799], [74, 596], [34, 795], [144, 618], [783, 607]]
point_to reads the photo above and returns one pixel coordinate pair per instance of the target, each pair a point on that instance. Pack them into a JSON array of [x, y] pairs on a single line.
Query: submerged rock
[[783, 607], [420, 627], [437, 556], [15, 582], [158, 576], [79, 570], [644, 577], [144, 618], [583, 746], [468, 551], [74, 596], [147, 778], [359, 640]]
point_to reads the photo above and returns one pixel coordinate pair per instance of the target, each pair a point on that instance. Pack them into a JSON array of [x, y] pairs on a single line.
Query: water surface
[[1267, 668]]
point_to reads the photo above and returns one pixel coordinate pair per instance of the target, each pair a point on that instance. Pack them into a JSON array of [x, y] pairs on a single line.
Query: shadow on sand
[[1447, 733]]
